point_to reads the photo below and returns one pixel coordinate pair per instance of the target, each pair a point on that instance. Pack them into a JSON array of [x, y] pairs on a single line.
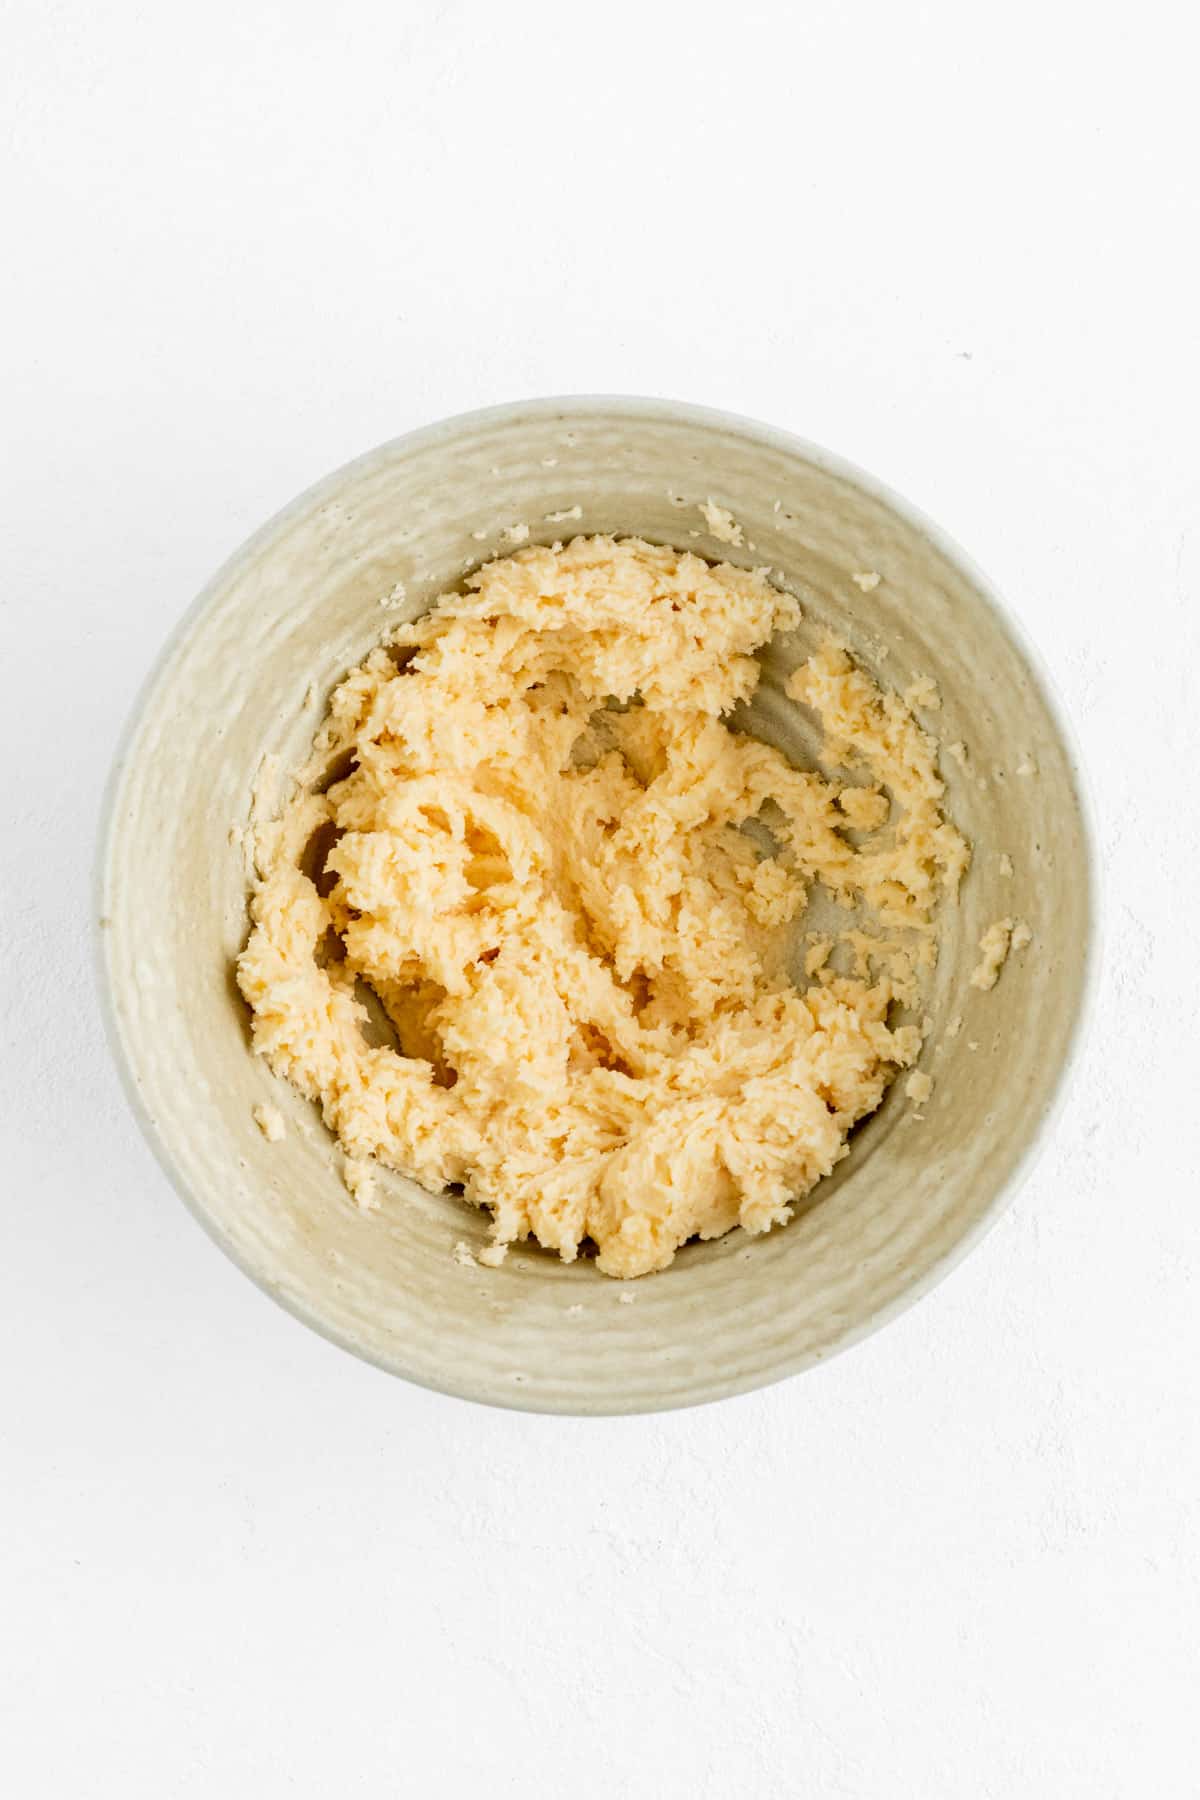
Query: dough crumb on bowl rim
[[1001, 937], [270, 1122]]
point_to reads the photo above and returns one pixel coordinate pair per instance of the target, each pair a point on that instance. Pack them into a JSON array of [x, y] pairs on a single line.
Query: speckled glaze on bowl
[[297, 606]]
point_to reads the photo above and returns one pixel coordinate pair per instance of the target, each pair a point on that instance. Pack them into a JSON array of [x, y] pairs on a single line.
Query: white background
[[243, 242]]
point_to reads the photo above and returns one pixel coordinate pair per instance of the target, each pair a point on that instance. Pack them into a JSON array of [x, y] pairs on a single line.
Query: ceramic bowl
[[233, 703]]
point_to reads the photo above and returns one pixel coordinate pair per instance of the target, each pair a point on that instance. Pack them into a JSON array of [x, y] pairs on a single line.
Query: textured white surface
[[244, 242]]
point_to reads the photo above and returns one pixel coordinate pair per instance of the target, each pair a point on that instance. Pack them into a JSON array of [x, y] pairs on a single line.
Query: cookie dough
[[534, 918], [1000, 937], [721, 523], [269, 1120]]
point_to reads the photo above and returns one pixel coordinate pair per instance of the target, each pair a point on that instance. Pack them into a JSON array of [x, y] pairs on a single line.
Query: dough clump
[[1000, 937], [509, 930]]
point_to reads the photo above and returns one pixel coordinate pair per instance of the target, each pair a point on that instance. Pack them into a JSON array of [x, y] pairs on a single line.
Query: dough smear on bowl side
[[509, 931]]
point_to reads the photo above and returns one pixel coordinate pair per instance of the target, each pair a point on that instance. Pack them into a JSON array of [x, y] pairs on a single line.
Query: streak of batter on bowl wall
[[543, 932]]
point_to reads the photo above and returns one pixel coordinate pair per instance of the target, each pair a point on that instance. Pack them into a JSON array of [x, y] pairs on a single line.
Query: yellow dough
[[510, 933]]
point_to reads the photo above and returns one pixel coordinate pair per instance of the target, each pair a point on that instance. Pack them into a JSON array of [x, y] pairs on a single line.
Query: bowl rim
[[665, 410]]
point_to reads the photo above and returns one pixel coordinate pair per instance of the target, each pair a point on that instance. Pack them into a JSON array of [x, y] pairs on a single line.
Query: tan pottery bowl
[[297, 606]]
